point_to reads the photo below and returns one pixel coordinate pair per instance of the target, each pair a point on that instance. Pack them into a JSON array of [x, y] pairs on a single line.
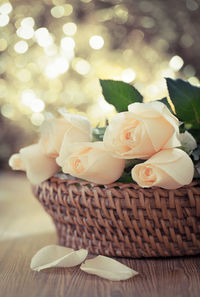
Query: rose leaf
[[120, 94], [98, 133], [186, 100]]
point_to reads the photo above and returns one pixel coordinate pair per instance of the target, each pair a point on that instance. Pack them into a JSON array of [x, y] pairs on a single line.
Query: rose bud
[[37, 165], [90, 161], [168, 169]]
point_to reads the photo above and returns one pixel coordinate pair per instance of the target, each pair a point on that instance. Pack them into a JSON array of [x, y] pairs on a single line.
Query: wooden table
[[25, 228]]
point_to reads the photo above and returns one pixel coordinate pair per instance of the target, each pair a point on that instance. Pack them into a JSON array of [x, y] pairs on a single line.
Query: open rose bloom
[[142, 131], [146, 131]]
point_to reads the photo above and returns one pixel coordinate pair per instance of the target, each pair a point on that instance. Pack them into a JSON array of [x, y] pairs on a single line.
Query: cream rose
[[37, 165], [142, 131], [90, 161], [74, 127], [168, 169]]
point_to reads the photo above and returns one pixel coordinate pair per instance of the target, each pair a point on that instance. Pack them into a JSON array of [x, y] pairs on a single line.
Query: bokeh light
[[67, 43], [96, 42], [128, 75], [4, 20], [6, 8], [81, 66], [54, 51], [43, 37], [176, 63], [21, 47], [58, 66], [58, 11], [70, 29]]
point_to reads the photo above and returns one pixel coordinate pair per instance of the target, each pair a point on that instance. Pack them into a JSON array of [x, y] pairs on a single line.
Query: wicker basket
[[123, 219]]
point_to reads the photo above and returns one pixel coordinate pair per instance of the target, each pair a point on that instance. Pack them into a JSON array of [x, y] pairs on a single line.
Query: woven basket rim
[[65, 178]]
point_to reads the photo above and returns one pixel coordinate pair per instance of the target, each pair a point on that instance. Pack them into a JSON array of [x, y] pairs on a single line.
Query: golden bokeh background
[[53, 52]]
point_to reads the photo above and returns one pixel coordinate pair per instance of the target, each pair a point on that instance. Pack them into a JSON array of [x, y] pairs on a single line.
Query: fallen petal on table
[[57, 256], [108, 268]]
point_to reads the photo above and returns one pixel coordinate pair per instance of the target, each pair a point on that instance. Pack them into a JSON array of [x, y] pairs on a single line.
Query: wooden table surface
[[25, 228]]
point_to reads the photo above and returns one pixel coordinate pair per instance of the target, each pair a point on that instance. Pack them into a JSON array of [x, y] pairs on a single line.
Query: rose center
[[147, 174], [148, 171], [131, 137], [78, 166], [128, 135]]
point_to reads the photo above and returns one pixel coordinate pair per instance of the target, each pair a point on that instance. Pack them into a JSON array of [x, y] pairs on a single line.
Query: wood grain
[[25, 228]]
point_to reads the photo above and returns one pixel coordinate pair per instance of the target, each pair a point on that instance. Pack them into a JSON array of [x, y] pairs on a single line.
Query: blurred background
[[52, 53]]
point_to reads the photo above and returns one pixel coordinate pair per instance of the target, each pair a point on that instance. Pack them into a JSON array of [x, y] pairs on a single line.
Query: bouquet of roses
[[153, 143]]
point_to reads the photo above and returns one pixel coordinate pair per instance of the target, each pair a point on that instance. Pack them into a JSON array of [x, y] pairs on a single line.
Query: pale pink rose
[[75, 128], [142, 131], [37, 165], [90, 161], [168, 169]]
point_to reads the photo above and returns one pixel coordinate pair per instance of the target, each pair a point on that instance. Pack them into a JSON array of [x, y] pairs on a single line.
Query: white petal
[[16, 162], [147, 109], [38, 165], [159, 136], [108, 268], [57, 256], [182, 170], [79, 121]]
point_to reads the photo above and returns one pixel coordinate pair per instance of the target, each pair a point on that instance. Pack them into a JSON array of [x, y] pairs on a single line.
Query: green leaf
[[195, 133], [98, 133], [165, 101], [182, 127], [120, 94], [129, 164], [125, 178], [186, 100]]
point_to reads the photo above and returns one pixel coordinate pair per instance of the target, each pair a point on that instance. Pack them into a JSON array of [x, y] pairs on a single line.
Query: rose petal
[[57, 256], [147, 109], [108, 268], [74, 127], [181, 169], [158, 138], [80, 122], [16, 162], [38, 166], [52, 132], [151, 111]]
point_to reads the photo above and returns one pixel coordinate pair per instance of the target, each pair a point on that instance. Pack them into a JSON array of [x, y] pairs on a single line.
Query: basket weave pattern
[[124, 219]]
